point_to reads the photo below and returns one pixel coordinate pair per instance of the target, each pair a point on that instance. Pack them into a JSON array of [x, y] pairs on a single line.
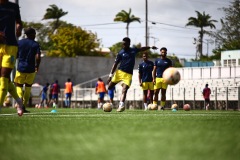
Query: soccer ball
[[186, 107], [174, 106], [107, 107], [152, 107], [171, 76]]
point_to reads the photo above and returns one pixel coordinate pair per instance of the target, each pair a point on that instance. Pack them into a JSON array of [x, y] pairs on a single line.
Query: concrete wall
[[79, 69]]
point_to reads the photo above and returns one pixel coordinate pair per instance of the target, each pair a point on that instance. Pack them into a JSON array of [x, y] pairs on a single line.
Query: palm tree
[[202, 20], [126, 17], [54, 13]]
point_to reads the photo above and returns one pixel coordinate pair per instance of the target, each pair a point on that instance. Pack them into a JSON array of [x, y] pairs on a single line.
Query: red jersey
[[206, 93], [55, 88]]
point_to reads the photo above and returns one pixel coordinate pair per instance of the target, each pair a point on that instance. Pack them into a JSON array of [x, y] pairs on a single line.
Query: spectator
[[206, 95]]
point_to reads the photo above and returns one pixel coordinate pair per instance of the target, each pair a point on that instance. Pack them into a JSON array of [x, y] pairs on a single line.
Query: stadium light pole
[[146, 27]]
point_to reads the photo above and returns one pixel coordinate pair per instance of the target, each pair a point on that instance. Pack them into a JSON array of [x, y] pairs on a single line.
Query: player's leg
[[145, 92], [123, 97], [163, 99], [163, 94]]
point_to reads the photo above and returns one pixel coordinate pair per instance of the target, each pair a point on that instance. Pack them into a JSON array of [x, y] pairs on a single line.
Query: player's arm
[[38, 61], [154, 74], [147, 48], [140, 75], [114, 67]]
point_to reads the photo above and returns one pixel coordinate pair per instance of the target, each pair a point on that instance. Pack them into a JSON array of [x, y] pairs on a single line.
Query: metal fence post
[[215, 105], [184, 91], [194, 98], [238, 98], [226, 98]]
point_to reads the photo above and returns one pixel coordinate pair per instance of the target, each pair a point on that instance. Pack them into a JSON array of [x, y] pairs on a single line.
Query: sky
[[170, 17]]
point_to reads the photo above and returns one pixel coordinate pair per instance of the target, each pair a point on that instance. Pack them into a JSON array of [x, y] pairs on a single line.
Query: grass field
[[90, 134]]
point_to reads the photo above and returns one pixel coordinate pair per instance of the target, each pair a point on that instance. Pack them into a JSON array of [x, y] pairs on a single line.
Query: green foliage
[[126, 17], [228, 37], [201, 21], [175, 60], [54, 13], [72, 42]]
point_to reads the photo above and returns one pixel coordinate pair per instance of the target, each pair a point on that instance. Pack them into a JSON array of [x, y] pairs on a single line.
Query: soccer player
[[160, 65], [100, 89], [68, 92], [206, 95], [55, 89], [10, 28], [145, 78], [126, 58], [44, 96], [111, 94], [29, 57]]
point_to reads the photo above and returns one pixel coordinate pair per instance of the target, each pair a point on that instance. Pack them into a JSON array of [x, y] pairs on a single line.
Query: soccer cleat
[[161, 108], [24, 110], [120, 109], [19, 111]]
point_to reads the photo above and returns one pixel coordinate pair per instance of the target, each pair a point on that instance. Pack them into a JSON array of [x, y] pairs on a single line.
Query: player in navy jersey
[[145, 78], [160, 65], [44, 96], [10, 28], [126, 58], [29, 57]]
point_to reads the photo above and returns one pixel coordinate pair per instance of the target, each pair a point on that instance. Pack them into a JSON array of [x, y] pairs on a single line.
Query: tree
[[72, 42], [126, 17], [228, 37], [54, 13], [201, 21]]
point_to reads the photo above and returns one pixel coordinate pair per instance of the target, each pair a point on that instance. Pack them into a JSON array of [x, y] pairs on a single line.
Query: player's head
[[47, 84], [206, 85], [56, 81], [99, 79], [126, 42], [163, 52], [145, 56], [30, 32], [69, 80]]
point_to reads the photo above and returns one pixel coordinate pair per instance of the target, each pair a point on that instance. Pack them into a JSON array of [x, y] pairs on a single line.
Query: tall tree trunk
[[127, 28], [201, 45]]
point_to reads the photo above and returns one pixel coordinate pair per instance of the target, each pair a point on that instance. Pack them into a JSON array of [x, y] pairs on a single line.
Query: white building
[[230, 58]]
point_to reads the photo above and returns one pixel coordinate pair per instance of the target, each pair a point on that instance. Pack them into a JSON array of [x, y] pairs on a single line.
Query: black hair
[[163, 48], [29, 31], [126, 39]]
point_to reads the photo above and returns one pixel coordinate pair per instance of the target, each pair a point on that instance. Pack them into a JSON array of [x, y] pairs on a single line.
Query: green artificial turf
[[90, 134]]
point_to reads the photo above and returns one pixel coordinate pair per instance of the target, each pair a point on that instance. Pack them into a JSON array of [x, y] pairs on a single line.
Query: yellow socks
[[162, 103], [3, 89], [26, 95]]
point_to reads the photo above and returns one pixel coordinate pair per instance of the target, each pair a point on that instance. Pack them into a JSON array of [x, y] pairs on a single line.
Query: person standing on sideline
[[55, 91], [29, 57], [100, 89], [44, 96], [145, 78], [68, 92], [10, 28], [126, 58], [111, 94], [206, 95], [160, 65]]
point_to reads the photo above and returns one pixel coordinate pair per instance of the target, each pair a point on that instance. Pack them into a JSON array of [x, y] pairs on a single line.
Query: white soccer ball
[[107, 107], [174, 106], [152, 107], [171, 76]]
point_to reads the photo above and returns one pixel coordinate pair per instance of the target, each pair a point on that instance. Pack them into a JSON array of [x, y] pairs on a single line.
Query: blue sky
[[170, 17]]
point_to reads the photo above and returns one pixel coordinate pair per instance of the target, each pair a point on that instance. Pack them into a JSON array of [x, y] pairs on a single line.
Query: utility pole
[[146, 27]]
